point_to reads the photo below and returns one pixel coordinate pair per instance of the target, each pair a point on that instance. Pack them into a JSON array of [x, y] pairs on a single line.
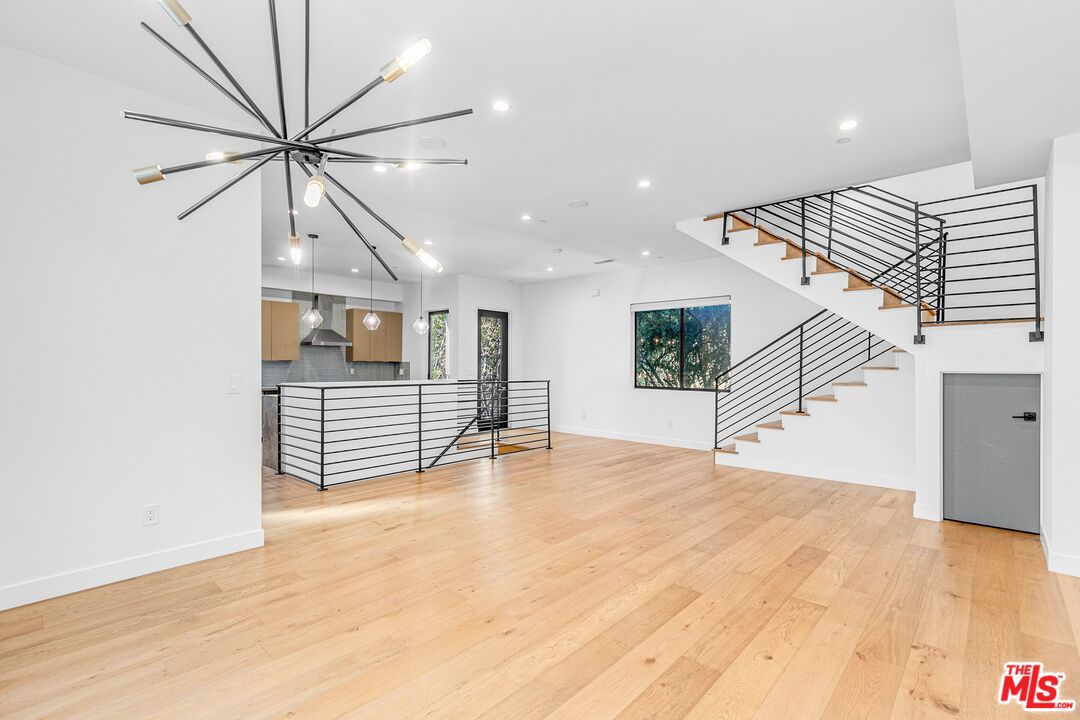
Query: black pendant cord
[[371, 283], [313, 272]]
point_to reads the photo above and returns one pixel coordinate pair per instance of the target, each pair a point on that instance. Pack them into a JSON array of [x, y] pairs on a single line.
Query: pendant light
[[313, 317], [371, 320], [421, 324]]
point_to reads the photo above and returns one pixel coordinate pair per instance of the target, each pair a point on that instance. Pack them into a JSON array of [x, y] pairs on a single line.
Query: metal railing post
[[491, 419], [322, 438], [548, 398], [419, 428], [279, 471], [724, 240], [943, 239], [801, 368], [1037, 335], [716, 412], [802, 212], [869, 344], [920, 339], [832, 202]]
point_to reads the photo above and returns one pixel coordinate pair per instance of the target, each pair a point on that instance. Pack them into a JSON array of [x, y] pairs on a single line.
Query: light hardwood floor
[[602, 579]]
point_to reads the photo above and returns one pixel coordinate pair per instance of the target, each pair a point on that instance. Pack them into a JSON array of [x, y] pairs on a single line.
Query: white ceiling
[[1021, 78], [719, 102]]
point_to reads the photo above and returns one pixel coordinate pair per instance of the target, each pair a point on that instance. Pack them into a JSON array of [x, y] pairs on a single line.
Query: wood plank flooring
[[602, 579]]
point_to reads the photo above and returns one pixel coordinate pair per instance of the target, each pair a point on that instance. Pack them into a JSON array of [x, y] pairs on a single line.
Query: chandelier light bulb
[[316, 188], [148, 174], [294, 248], [423, 255], [313, 318], [176, 11], [372, 321], [420, 325], [397, 67]]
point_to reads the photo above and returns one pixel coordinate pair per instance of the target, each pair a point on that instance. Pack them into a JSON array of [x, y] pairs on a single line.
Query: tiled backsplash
[[327, 364]]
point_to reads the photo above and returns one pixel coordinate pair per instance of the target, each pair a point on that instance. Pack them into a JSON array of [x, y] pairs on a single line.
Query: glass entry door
[[493, 367]]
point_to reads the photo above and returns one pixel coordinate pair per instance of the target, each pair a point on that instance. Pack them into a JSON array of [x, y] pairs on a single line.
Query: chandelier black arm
[[289, 193], [277, 69], [364, 205], [351, 224], [215, 130], [205, 75], [307, 62], [394, 160], [228, 75], [391, 126], [341, 106], [224, 187], [227, 158]]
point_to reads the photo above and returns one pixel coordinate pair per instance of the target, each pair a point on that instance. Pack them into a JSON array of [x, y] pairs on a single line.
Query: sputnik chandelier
[[312, 155]]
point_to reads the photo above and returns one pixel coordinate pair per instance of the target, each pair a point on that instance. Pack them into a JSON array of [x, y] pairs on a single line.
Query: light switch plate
[[233, 387]]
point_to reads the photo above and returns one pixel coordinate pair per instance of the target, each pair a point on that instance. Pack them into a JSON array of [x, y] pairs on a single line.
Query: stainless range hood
[[324, 336]]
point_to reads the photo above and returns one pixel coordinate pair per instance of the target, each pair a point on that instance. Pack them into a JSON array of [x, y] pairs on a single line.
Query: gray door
[[991, 449]]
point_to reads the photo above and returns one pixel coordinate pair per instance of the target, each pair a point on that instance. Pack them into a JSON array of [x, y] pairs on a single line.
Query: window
[[437, 353], [681, 347]]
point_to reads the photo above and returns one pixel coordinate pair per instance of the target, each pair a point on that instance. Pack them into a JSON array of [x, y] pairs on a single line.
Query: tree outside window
[[682, 348], [437, 342]]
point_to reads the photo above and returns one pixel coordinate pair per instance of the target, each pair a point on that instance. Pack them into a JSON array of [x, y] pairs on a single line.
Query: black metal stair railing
[[971, 258], [782, 374]]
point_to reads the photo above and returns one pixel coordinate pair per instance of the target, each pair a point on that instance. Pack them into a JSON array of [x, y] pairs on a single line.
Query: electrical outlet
[[352, 371], [401, 372], [150, 514], [233, 387]]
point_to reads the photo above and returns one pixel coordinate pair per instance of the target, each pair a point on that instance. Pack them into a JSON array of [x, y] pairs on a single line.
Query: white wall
[[1061, 383], [127, 324], [585, 345]]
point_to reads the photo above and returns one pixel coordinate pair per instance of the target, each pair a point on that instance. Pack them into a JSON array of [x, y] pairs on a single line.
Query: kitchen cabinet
[[280, 330], [380, 345]]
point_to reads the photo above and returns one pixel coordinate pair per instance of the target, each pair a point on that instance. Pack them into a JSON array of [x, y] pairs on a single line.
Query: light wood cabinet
[[380, 345], [280, 330]]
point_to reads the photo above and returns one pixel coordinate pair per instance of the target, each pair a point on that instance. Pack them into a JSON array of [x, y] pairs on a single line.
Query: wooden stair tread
[[801, 413], [899, 350], [716, 216], [729, 449], [879, 367], [829, 271], [981, 322], [773, 425], [822, 398], [850, 383], [749, 437]]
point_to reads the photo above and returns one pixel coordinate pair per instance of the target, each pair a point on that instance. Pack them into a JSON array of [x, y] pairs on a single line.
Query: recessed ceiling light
[[644, 183], [849, 124], [577, 204], [526, 217], [500, 106], [842, 140], [379, 168], [427, 242], [281, 259], [551, 269], [644, 253], [431, 142], [354, 269]]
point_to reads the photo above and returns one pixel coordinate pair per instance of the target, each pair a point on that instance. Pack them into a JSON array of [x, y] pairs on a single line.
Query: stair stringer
[[897, 326], [867, 436]]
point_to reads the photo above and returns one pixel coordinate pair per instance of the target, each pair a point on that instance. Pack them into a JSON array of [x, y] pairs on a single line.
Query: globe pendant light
[[313, 317], [420, 324], [371, 320]]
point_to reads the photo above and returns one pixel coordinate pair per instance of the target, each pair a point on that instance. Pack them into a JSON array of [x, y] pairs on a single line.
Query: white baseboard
[[922, 511], [891, 482], [52, 586], [1059, 562], [649, 439]]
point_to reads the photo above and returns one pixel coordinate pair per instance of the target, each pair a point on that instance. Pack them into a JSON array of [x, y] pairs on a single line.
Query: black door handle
[[1026, 417]]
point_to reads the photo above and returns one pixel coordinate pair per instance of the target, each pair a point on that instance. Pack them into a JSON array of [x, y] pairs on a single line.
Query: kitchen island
[[338, 432]]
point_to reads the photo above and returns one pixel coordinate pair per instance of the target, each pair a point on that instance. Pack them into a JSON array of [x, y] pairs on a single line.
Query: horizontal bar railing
[[780, 375], [926, 254], [341, 433]]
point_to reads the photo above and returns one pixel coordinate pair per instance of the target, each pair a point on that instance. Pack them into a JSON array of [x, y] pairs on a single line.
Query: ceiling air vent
[[603, 262]]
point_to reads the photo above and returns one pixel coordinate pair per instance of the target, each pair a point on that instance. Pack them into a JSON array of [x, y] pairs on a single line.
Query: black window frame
[[430, 314], [682, 347]]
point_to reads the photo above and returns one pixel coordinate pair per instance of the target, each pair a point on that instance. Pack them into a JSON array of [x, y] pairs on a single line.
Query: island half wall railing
[[338, 434], [963, 260]]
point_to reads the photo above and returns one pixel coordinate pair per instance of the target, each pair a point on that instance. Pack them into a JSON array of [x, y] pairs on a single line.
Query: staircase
[[819, 399]]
